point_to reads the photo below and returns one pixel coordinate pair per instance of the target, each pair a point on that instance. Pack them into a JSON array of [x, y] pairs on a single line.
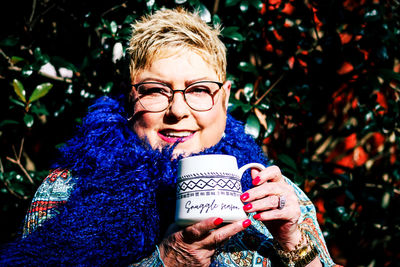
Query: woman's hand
[[195, 245], [269, 187]]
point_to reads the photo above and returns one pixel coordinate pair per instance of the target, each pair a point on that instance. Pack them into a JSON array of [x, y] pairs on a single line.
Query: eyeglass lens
[[199, 96]]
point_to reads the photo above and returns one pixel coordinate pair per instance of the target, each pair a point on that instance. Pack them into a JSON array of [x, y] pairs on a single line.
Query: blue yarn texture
[[124, 198]]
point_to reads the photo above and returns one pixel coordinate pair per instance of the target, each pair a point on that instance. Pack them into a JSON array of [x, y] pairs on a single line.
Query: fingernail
[[256, 180], [244, 196], [218, 221], [247, 206], [256, 216], [246, 223]]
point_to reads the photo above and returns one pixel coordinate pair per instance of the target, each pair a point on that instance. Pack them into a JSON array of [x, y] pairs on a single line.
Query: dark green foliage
[[316, 82]]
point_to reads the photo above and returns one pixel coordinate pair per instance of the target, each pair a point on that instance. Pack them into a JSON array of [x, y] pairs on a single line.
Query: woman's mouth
[[173, 136]]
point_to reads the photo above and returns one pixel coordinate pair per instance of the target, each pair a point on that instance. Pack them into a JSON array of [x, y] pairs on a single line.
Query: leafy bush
[[317, 83]]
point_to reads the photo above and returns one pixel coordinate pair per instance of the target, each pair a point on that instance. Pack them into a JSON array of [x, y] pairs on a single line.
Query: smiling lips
[[172, 136]]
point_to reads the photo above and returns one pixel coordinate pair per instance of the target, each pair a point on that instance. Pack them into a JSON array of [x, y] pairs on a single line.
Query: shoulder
[[49, 197]]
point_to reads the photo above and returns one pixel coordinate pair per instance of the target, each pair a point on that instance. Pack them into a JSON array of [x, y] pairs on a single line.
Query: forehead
[[177, 63], [180, 53]]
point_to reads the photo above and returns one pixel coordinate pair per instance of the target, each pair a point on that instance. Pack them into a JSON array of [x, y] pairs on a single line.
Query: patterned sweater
[[111, 198], [252, 247]]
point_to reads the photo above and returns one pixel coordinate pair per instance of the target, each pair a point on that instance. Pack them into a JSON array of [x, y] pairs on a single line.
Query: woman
[[111, 199]]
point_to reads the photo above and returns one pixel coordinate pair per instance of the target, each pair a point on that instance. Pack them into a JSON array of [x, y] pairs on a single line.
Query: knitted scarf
[[124, 198]]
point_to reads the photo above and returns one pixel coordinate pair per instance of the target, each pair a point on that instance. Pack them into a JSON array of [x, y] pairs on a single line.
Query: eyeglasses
[[157, 97]]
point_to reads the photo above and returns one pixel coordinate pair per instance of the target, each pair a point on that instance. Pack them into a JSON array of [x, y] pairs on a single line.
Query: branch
[[33, 12], [17, 161], [216, 6], [269, 89], [7, 185], [114, 8], [56, 78], [12, 192]]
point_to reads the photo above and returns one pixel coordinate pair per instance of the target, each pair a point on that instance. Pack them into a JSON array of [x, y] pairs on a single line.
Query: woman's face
[[197, 130]]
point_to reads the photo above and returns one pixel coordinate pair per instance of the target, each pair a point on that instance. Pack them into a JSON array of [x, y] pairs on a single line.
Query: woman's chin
[[184, 152]]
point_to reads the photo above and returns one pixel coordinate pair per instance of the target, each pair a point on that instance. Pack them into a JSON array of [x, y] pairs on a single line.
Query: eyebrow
[[187, 83]]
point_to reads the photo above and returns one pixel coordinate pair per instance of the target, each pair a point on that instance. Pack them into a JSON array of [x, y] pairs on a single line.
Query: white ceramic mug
[[210, 186]]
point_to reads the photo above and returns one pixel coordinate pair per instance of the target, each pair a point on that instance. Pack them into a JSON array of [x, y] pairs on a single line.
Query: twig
[[33, 12], [56, 78], [12, 192], [6, 57], [269, 89], [114, 8], [7, 185], [17, 161], [33, 22], [216, 6]]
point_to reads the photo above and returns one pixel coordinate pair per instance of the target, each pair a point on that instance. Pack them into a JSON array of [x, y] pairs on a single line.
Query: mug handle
[[250, 165]]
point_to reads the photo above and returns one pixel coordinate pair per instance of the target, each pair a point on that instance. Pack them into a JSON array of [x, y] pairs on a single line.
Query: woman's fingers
[[222, 234], [267, 190], [196, 244], [204, 235], [271, 174], [199, 230]]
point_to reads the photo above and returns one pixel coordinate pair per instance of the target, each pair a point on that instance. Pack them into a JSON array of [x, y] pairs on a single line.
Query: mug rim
[[208, 155]]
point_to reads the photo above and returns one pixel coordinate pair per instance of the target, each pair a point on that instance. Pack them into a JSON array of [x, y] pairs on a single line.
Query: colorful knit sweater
[[112, 197]]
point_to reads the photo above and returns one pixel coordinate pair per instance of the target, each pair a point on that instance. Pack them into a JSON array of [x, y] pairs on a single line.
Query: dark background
[[316, 82]]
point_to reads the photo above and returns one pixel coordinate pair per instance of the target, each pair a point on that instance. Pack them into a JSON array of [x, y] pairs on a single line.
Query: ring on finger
[[281, 202]]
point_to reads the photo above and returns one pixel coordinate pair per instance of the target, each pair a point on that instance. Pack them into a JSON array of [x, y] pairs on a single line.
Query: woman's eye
[[154, 90], [199, 90]]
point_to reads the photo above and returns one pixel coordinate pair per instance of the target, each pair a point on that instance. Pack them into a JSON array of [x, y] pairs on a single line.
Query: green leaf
[[270, 126], [40, 91], [246, 108], [19, 90], [216, 20], [108, 87], [231, 2], [37, 53], [125, 33], [27, 70], [113, 27], [244, 6], [248, 91], [252, 126], [256, 3], [247, 67], [9, 41], [204, 13], [105, 23], [8, 122], [41, 110], [288, 161], [15, 59], [18, 103], [28, 119], [232, 33], [129, 19]]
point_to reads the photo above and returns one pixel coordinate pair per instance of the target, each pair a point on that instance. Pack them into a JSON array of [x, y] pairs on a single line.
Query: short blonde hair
[[167, 32]]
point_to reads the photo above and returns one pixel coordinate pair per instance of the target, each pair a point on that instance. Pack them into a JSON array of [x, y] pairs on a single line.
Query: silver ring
[[282, 202]]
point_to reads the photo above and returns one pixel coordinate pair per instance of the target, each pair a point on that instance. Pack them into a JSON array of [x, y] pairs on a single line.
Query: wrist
[[292, 241], [299, 255]]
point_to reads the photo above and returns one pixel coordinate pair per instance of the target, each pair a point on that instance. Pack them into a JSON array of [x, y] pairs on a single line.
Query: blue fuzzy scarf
[[124, 198]]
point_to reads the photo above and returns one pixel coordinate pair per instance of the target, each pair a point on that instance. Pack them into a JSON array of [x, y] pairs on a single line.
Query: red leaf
[[346, 68]]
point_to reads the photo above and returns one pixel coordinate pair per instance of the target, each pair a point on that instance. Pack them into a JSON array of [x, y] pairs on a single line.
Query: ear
[[227, 88]]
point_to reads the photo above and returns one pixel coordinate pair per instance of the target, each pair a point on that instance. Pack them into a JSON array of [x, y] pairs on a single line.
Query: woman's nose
[[178, 107]]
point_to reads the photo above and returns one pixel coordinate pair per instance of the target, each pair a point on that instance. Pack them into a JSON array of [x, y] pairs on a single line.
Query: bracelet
[[302, 254], [159, 256]]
